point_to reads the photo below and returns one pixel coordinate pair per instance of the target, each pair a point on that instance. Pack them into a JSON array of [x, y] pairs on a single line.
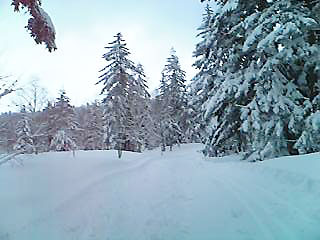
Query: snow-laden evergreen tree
[[168, 129], [62, 142], [178, 96], [62, 118], [309, 82], [170, 133], [39, 130], [65, 115], [262, 64], [309, 140], [48, 128], [172, 102], [93, 128], [8, 123], [220, 63], [286, 53], [194, 132], [198, 87], [107, 124], [118, 80], [173, 99], [141, 106], [24, 143]]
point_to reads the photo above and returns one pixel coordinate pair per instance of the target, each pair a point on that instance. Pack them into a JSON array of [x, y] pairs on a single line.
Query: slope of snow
[[149, 196]]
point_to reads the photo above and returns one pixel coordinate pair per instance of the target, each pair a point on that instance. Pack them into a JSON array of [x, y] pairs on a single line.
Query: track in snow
[[174, 196]]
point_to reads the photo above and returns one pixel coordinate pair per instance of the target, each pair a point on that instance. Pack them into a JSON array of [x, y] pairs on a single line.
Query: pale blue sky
[[150, 28]]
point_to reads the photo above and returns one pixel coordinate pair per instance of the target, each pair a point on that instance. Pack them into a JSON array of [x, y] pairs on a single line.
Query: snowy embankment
[[179, 195]]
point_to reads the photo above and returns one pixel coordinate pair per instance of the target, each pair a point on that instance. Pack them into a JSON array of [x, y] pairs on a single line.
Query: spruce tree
[[24, 143], [199, 84], [93, 128], [194, 132], [117, 79], [141, 106], [284, 81], [49, 128], [62, 119], [8, 136], [178, 96], [173, 99], [260, 75], [62, 142]]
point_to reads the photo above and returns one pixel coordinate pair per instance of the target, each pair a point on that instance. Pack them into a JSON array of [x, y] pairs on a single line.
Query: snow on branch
[[8, 158], [40, 24], [5, 87]]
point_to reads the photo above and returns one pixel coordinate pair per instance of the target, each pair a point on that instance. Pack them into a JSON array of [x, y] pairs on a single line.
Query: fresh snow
[[178, 195], [46, 18]]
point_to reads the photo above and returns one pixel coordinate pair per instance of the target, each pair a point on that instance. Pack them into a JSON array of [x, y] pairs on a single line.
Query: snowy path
[[152, 197]]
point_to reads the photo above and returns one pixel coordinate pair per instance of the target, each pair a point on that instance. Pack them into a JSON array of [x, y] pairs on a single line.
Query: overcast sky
[[84, 28]]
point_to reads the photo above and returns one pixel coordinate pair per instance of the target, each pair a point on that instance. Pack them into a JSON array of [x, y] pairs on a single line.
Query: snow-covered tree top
[[119, 66]]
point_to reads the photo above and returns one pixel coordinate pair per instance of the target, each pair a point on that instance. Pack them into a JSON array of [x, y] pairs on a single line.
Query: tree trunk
[[119, 153]]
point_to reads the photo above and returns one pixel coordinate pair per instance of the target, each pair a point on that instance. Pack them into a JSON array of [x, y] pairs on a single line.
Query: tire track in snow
[[280, 203], [260, 211], [84, 191], [163, 222], [307, 187], [97, 181], [267, 233], [297, 180], [277, 197]]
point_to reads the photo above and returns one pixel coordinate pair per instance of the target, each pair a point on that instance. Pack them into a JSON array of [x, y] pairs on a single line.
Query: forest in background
[[256, 91]]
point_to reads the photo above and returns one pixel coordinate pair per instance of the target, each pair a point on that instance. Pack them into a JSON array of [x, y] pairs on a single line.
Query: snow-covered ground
[[149, 196]]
